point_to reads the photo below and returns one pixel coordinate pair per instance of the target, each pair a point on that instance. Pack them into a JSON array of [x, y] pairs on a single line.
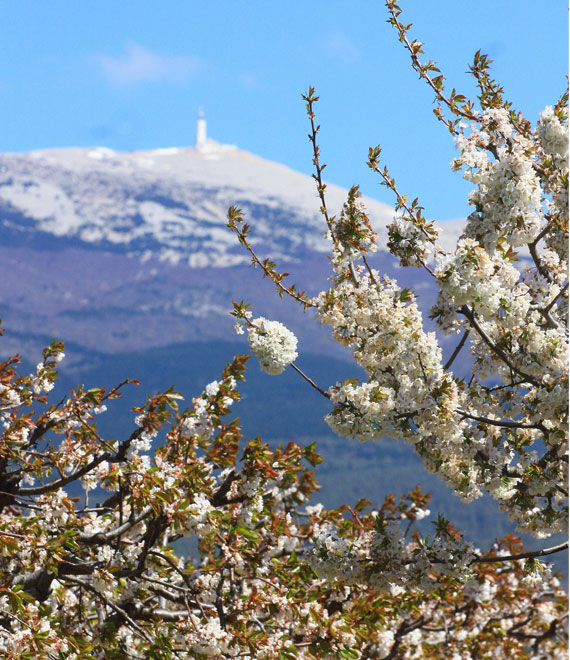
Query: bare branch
[[505, 423], [311, 382], [531, 554], [458, 348]]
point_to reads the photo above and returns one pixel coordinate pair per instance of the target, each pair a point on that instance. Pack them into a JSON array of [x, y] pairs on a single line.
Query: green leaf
[[249, 534]]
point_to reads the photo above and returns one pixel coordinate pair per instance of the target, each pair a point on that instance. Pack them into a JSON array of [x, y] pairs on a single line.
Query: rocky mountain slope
[[123, 251], [168, 204]]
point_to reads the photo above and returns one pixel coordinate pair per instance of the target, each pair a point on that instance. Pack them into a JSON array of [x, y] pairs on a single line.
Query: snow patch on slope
[[45, 202]]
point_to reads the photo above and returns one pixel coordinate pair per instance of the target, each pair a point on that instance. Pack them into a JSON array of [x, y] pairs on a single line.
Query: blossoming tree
[[91, 561]]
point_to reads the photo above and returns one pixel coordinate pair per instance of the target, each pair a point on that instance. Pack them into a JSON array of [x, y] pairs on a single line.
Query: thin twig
[[119, 610], [505, 423], [458, 348], [310, 98], [235, 216], [555, 299], [414, 49], [311, 382]]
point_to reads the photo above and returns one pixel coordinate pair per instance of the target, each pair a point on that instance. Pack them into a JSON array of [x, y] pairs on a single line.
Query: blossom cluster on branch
[[503, 430]]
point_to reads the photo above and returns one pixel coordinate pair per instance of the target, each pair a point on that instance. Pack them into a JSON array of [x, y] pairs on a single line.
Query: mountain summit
[[170, 204], [118, 251]]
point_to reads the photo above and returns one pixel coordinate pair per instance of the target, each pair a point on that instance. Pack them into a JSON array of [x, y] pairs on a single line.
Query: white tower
[[200, 130]]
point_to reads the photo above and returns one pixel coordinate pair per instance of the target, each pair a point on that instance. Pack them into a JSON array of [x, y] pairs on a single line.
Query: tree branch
[[311, 382], [103, 537], [505, 423], [311, 99], [458, 348], [531, 554], [470, 315], [118, 456]]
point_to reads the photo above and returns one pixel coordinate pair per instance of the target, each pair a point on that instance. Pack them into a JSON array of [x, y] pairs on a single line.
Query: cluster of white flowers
[[477, 437], [333, 557], [409, 242], [352, 234], [472, 276], [382, 559], [384, 643], [199, 423], [9, 397], [40, 383], [480, 592], [274, 345], [361, 411], [407, 394], [552, 134], [211, 639], [508, 196], [198, 511]]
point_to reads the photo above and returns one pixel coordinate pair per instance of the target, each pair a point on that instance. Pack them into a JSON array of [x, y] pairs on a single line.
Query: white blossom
[[274, 345]]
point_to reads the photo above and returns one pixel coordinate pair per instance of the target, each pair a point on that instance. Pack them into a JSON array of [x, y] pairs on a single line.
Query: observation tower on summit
[[205, 146], [201, 138]]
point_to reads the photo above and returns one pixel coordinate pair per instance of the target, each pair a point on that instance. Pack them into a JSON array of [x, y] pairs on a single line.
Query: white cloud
[[336, 44], [140, 65]]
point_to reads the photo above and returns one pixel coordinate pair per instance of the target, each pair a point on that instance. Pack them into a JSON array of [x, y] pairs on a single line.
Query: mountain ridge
[[168, 203], [128, 250]]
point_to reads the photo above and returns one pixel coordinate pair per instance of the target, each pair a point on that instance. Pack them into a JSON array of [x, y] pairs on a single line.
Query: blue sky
[[130, 74]]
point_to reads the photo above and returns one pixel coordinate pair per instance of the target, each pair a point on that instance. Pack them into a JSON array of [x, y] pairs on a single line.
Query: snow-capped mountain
[[120, 251], [170, 204]]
